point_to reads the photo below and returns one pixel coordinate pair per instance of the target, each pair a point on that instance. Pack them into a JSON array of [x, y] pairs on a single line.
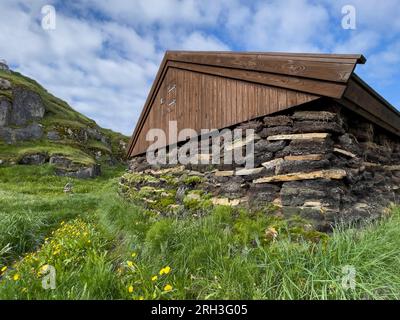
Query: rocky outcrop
[[63, 165], [66, 167], [5, 110], [27, 106], [18, 119], [3, 66], [5, 84], [33, 131], [80, 172], [34, 159], [53, 136]]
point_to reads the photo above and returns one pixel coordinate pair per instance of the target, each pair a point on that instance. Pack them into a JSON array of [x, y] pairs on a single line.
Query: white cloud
[[201, 42], [358, 42], [104, 55], [102, 69], [293, 25], [384, 65], [166, 13]]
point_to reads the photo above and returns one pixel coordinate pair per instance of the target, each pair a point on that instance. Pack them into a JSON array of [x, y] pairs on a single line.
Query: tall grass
[[223, 255]]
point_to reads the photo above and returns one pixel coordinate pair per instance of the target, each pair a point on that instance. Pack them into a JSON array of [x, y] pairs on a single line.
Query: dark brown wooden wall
[[203, 101]]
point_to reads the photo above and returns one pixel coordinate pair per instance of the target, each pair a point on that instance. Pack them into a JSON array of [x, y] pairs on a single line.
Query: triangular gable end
[[218, 89], [204, 101]]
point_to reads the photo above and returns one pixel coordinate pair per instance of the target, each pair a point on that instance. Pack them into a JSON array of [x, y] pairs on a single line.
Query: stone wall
[[319, 161]]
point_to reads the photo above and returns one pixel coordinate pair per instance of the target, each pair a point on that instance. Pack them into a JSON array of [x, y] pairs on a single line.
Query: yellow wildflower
[[3, 269], [130, 289], [129, 263], [44, 268], [167, 270], [133, 254], [167, 288], [16, 277], [141, 298], [154, 278]]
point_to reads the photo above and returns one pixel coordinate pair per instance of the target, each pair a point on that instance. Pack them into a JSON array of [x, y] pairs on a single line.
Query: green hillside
[[64, 131]]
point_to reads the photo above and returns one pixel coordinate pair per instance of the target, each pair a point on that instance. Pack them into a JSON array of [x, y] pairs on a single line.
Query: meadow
[[104, 247]]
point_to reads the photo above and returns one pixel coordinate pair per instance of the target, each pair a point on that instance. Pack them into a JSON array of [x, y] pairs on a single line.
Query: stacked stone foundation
[[319, 161]]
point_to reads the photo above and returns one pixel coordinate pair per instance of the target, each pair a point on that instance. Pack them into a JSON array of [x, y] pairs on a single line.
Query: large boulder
[[27, 106], [33, 159], [66, 167], [60, 160], [53, 135], [90, 171], [97, 135], [5, 84], [14, 135], [3, 66]]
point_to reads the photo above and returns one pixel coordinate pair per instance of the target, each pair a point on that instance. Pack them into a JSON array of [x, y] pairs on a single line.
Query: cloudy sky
[[103, 55]]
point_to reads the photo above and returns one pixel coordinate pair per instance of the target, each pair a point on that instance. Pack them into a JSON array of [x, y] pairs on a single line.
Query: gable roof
[[324, 75]]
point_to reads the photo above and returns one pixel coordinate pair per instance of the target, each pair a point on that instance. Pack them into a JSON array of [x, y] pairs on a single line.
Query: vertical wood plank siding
[[204, 101]]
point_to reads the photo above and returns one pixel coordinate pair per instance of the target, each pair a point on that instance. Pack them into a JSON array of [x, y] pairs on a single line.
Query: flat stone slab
[[166, 171], [344, 152], [242, 142], [392, 168], [228, 202], [307, 157], [228, 173], [278, 121], [248, 172], [370, 164], [322, 174], [273, 164], [298, 136], [314, 115]]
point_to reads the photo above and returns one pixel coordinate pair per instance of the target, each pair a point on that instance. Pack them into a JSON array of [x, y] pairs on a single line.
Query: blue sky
[[103, 55]]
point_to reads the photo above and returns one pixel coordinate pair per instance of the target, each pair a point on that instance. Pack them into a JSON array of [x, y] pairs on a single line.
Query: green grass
[[17, 151], [104, 246]]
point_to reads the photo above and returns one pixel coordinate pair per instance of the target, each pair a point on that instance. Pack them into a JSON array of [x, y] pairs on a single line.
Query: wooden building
[[326, 145], [214, 90]]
